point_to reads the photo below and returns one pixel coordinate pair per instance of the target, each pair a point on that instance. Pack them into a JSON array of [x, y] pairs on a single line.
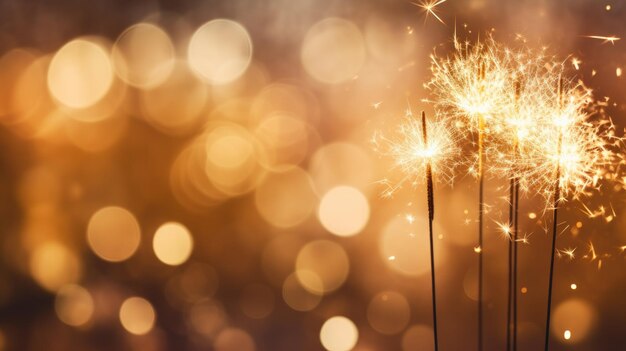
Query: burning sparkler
[[423, 149]]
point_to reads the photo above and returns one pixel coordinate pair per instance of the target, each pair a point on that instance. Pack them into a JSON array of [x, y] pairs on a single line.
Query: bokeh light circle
[[388, 312], [53, 265], [418, 337], [220, 51], [113, 233], [407, 243], [333, 51], [137, 315], [344, 211], [576, 316], [80, 74], [286, 199], [74, 305], [172, 243], [143, 56], [297, 297], [339, 334], [322, 266], [233, 339]]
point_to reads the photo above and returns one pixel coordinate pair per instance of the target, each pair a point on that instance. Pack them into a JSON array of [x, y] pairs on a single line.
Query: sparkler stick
[[421, 150], [513, 212], [431, 216], [481, 135], [557, 195]]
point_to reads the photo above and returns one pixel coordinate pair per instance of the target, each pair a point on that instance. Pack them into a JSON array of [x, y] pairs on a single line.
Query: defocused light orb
[[257, 301], [113, 233], [80, 74], [339, 334], [297, 297], [418, 337], [207, 317], [285, 138], [408, 243], [286, 199], [232, 160], [137, 315], [333, 51], [143, 56], [172, 243], [176, 106], [388, 312], [53, 265], [13, 65], [344, 211], [74, 305], [576, 316], [285, 99], [232, 339], [220, 51], [341, 164], [322, 266]]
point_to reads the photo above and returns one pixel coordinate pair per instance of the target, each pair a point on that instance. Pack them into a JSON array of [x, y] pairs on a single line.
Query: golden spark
[[429, 7], [607, 39]]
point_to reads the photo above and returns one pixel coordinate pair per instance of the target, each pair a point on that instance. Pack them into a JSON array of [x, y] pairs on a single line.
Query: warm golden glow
[[220, 51], [143, 56], [137, 315], [322, 266], [333, 51], [172, 243], [339, 334], [74, 305], [344, 211], [80, 74], [113, 233]]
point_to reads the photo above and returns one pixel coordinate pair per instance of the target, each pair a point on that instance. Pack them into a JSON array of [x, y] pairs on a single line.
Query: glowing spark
[[532, 215], [573, 286], [411, 155], [391, 258], [576, 62], [618, 72], [478, 249], [610, 39], [592, 251], [569, 253], [376, 105], [523, 239], [567, 334], [410, 218], [505, 229], [428, 6]]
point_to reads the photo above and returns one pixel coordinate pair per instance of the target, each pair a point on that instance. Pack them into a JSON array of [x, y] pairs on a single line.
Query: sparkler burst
[[532, 125], [411, 154]]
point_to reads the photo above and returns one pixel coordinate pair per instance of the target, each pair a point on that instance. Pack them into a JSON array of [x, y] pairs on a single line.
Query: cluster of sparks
[[534, 119], [540, 126], [412, 154]]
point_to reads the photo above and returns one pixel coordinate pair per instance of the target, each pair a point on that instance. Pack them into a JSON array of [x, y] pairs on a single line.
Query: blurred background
[[198, 175]]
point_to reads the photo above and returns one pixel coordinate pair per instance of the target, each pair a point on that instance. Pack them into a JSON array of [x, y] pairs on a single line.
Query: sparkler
[[470, 86], [420, 151], [473, 87]]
